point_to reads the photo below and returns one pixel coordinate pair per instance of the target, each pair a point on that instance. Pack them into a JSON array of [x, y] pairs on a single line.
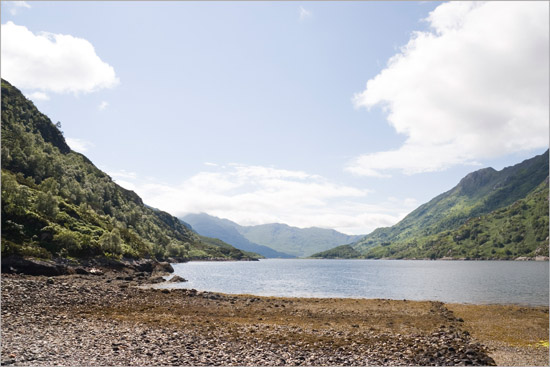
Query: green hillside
[[517, 230], [478, 193], [55, 202], [340, 252]]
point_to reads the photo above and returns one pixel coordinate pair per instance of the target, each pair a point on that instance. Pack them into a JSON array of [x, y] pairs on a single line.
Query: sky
[[344, 115]]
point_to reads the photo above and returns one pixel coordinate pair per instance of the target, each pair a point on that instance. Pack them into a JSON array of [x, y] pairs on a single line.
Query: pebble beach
[[120, 319]]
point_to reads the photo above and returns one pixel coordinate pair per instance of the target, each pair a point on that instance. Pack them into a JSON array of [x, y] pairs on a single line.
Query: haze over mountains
[[269, 240], [489, 214], [226, 230]]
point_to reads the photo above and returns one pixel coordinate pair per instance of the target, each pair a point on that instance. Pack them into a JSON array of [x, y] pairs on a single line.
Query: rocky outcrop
[[16, 264], [95, 266]]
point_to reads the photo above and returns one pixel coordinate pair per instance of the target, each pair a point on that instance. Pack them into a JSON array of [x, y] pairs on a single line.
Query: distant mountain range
[[226, 231], [269, 240], [489, 214]]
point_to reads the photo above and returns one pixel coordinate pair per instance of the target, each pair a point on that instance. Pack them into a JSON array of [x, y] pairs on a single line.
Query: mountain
[[509, 209], [56, 203], [226, 230], [300, 242], [517, 230], [284, 240]]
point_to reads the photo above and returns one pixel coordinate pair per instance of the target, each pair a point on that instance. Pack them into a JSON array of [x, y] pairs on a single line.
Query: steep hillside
[[477, 194], [55, 202], [299, 242], [517, 230], [227, 231]]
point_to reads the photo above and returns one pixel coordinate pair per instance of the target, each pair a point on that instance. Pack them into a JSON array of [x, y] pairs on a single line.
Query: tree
[[46, 204], [111, 242]]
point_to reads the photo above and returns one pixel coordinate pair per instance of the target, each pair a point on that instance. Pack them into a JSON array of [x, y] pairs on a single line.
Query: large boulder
[[163, 267]]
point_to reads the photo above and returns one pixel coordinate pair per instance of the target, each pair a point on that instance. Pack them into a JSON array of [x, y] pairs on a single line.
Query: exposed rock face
[[15, 264], [96, 266]]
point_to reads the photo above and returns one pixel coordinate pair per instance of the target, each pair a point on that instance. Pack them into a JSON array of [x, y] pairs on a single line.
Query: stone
[[177, 279], [155, 280], [17, 264]]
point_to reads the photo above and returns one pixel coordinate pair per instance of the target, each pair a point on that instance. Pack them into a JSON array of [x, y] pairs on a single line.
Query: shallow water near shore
[[476, 282]]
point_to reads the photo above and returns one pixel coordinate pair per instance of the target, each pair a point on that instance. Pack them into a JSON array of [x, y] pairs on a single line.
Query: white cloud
[[57, 63], [103, 105], [474, 87], [38, 96], [256, 195], [123, 174], [126, 184], [79, 145], [210, 164], [304, 13], [15, 6]]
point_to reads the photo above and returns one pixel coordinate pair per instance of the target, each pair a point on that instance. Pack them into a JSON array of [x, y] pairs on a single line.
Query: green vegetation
[[340, 252], [229, 250], [489, 215], [55, 202], [518, 230]]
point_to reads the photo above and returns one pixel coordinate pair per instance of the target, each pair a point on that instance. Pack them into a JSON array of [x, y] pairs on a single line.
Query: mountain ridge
[[477, 194], [288, 240], [301, 242], [225, 230]]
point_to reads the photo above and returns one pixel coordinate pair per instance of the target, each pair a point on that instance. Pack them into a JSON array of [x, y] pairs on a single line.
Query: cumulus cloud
[[50, 62], [79, 145], [256, 195], [473, 87]]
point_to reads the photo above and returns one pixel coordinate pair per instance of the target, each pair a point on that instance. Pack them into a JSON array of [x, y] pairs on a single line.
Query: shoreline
[[108, 320]]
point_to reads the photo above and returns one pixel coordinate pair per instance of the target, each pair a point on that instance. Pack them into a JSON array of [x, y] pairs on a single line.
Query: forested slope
[[55, 202]]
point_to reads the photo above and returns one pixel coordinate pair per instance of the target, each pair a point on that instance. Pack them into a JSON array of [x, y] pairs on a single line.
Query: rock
[[95, 271], [155, 280], [177, 279], [163, 267], [81, 271], [16, 264]]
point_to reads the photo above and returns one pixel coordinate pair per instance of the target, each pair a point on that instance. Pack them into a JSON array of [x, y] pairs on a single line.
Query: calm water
[[476, 282]]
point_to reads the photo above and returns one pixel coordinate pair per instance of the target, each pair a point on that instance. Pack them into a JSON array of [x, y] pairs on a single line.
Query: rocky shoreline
[[110, 318]]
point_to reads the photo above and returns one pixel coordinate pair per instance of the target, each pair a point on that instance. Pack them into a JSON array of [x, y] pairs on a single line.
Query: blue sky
[[260, 111]]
